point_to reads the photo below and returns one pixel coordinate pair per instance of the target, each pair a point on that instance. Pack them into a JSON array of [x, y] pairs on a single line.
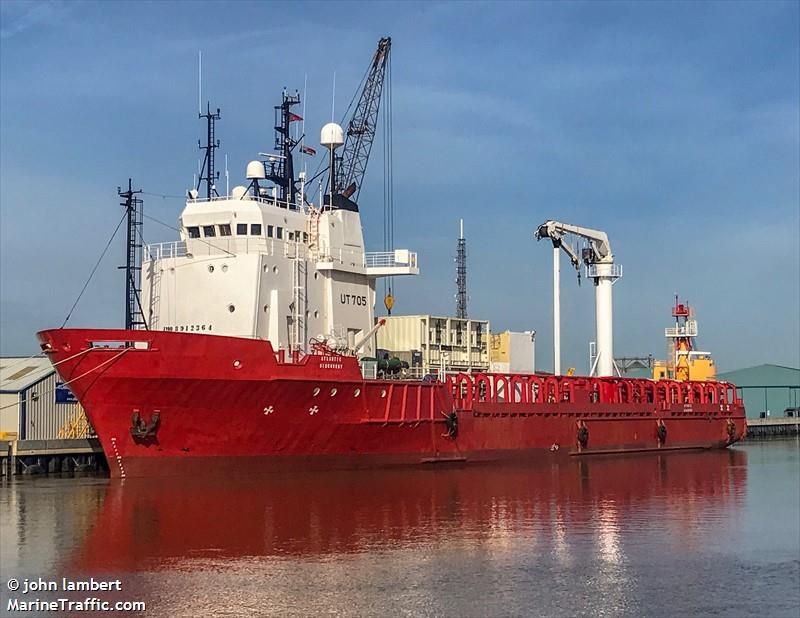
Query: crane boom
[[360, 131], [555, 231], [602, 270]]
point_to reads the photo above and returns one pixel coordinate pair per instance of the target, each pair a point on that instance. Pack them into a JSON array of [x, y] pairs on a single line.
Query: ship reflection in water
[[154, 524], [629, 535]]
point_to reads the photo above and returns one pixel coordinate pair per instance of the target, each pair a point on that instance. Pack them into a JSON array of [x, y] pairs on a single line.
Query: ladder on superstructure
[[299, 272], [313, 231]]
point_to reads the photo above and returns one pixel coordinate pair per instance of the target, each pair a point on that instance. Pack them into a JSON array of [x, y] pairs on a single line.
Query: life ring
[[661, 432]]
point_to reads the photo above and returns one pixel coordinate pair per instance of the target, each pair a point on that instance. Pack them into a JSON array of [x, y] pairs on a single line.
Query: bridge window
[[278, 232], [255, 229], [241, 229], [208, 231], [225, 229], [305, 236], [194, 231], [270, 229], [291, 235]]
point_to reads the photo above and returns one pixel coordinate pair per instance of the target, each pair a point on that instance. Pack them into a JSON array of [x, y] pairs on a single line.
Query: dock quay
[[51, 456], [760, 428]]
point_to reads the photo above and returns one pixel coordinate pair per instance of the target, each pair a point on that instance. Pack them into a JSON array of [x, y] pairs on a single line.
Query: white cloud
[[17, 17]]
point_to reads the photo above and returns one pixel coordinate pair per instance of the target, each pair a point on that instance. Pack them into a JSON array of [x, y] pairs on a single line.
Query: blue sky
[[673, 126]]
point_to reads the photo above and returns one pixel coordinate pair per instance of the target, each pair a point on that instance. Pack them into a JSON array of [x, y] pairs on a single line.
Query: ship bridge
[[249, 265]]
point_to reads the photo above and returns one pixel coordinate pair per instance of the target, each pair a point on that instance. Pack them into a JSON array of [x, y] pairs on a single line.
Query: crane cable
[[388, 179], [320, 170], [100, 259]]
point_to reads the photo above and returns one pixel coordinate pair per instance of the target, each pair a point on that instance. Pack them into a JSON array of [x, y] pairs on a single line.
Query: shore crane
[[600, 268], [346, 175]]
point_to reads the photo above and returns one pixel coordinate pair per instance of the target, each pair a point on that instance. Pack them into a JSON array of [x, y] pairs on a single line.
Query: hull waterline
[[166, 403]]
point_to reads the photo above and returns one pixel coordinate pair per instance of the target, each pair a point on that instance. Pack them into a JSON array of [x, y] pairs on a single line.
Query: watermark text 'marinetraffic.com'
[[91, 604]]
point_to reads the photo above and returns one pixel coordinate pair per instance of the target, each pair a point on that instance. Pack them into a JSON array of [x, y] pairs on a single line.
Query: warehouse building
[[35, 404], [767, 390], [511, 352], [432, 345]]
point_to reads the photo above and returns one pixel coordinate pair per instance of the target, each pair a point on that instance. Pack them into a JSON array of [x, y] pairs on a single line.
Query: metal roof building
[[34, 404], [767, 390]]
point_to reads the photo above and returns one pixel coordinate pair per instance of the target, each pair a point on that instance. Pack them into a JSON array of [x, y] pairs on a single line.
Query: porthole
[[237, 364], [383, 393], [211, 268], [275, 270], [224, 268], [356, 392], [316, 314], [315, 392], [266, 268], [333, 392], [231, 308], [316, 276], [266, 308]]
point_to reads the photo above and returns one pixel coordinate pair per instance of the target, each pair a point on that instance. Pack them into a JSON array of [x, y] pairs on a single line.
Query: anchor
[[141, 429]]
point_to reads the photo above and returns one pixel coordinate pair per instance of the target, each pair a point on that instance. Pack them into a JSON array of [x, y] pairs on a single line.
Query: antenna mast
[[134, 316], [281, 172], [207, 173], [461, 275]]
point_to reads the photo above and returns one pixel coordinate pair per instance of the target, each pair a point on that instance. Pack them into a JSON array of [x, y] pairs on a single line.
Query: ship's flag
[[294, 117], [308, 150]]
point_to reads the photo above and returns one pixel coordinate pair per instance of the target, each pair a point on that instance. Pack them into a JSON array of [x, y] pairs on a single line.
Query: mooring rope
[[64, 360], [24, 360], [70, 381]]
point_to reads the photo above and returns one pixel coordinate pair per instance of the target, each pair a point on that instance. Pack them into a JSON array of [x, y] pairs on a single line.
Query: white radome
[[255, 171], [238, 192], [331, 136]]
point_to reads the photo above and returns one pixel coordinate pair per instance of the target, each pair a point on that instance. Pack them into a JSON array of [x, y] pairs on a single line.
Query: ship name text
[[353, 299]]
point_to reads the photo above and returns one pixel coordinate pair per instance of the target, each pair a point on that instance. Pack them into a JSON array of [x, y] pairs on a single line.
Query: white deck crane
[[601, 269]]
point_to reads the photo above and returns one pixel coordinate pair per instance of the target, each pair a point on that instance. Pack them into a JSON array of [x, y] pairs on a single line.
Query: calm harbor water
[[712, 533]]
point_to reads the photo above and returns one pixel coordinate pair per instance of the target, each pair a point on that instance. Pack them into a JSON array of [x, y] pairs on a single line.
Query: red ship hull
[[166, 403]]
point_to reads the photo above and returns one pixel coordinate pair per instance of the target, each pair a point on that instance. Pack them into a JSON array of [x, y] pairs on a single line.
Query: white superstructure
[[248, 265]]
